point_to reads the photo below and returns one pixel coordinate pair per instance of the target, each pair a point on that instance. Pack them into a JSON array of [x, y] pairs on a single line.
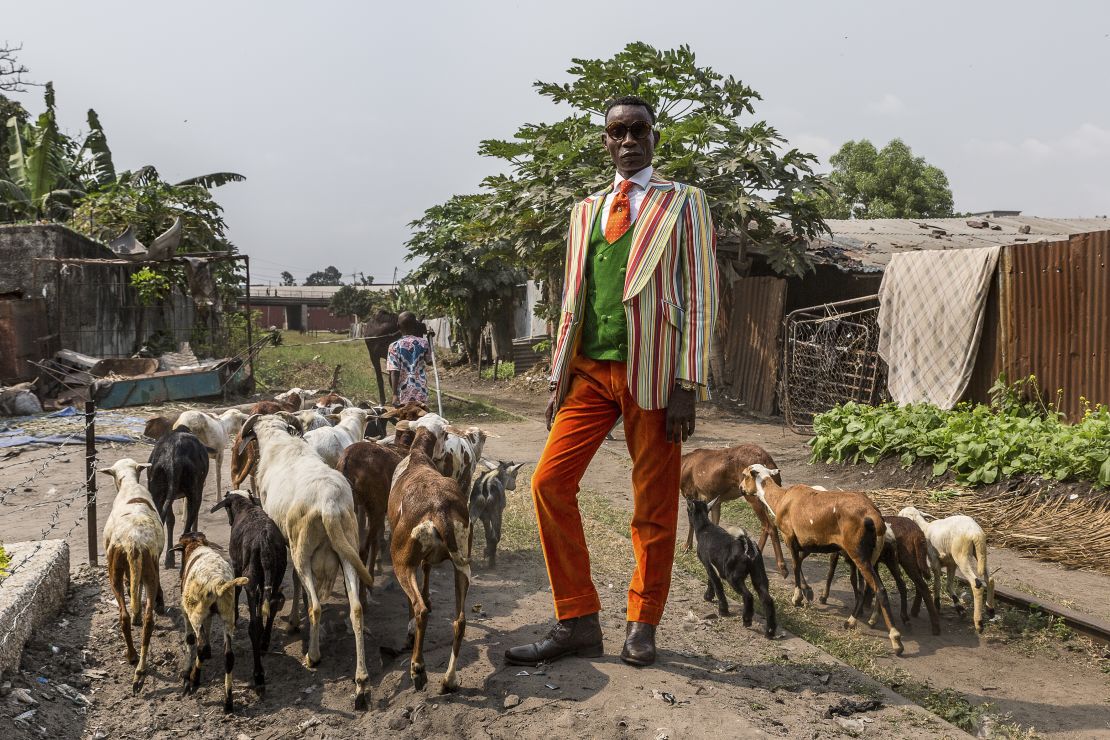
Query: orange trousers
[[598, 395]]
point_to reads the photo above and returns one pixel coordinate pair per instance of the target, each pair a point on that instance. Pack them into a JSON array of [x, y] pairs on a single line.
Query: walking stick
[[435, 369]]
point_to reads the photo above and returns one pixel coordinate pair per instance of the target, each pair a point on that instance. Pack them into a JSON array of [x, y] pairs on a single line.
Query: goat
[[811, 521], [178, 469], [215, 432], [430, 522], [157, 426], [953, 543], [333, 399], [312, 419], [207, 587], [487, 502], [329, 442], [244, 453], [258, 551], [732, 558], [295, 399], [715, 475], [313, 506], [133, 540], [369, 468], [268, 407], [904, 549]]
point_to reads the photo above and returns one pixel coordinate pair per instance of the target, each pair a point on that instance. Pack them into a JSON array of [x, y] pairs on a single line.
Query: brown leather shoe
[[579, 636], [639, 644]]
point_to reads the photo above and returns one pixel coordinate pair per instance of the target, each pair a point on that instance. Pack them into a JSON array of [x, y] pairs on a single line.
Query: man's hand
[[550, 416], [680, 415]]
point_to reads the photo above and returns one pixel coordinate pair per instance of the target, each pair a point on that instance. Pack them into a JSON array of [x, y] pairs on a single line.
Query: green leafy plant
[[542, 347], [151, 285], [505, 371], [978, 443], [5, 561]]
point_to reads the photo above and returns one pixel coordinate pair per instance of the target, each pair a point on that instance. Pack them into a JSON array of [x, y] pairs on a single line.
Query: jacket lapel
[[651, 232], [580, 239]]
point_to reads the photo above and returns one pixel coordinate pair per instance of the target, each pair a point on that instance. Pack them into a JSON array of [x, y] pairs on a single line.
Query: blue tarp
[[13, 435]]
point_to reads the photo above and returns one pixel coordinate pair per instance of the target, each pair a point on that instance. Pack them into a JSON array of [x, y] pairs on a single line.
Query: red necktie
[[620, 213]]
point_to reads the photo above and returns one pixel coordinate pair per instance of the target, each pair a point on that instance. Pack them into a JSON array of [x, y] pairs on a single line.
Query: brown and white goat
[[244, 452], [715, 475], [813, 520], [133, 540], [430, 522]]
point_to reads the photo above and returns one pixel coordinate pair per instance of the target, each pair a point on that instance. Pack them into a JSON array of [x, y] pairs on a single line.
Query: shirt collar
[[641, 178]]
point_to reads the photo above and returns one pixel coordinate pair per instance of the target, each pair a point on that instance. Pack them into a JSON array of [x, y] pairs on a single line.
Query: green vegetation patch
[[978, 443]]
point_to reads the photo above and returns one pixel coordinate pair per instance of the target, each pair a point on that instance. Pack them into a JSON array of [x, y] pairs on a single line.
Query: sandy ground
[[725, 680]]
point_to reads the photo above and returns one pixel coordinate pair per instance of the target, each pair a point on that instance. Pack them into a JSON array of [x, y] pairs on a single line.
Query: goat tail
[[344, 547], [979, 543], [869, 542], [223, 588], [135, 575], [457, 536]]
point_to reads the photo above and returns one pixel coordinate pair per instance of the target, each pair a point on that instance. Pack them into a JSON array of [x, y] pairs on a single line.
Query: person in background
[[407, 360]]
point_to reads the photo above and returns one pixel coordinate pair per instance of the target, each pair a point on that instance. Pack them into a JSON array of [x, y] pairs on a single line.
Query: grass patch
[[505, 371]]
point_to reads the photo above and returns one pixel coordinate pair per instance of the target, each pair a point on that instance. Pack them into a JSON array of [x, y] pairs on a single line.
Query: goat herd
[[325, 478], [320, 494]]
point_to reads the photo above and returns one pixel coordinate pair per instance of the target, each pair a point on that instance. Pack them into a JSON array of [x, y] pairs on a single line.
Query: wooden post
[[250, 322], [90, 477]]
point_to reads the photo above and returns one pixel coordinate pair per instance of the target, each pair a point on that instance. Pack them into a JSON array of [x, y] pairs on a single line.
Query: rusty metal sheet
[[23, 338], [1055, 319], [751, 347]]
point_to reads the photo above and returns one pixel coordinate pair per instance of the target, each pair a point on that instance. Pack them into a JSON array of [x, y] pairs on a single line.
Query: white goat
[[329, 442], [214, 432], [207, 587], [313, 506], [312, 419], [295, 399], [133, 541], [955, 542]]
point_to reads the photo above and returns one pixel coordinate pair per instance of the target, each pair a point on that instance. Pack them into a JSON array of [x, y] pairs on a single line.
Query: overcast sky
[[350, 118]]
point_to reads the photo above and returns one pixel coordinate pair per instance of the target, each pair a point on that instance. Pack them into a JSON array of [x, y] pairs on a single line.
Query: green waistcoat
[[604, 328]]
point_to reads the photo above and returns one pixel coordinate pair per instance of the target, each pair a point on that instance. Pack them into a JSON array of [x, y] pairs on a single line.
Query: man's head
[[409, 325], [630, 136]]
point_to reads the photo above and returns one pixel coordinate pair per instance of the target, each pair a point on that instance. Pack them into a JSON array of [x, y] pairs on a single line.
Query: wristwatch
[[686, 385]]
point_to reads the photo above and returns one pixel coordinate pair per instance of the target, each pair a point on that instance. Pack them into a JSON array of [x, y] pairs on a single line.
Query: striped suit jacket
[[670, 292]]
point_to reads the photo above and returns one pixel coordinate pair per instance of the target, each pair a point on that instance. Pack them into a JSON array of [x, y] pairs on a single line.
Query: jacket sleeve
[[566, 306], [699, 284]]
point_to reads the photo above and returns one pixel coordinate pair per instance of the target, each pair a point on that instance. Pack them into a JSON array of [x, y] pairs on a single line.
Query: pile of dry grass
[[1051, 525]]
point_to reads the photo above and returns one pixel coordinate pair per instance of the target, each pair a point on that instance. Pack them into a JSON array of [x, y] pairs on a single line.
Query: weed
[[954, 707], [5, 561], [505, 371]]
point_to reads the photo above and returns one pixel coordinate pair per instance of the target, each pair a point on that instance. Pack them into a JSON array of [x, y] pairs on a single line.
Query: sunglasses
[[639, 130]]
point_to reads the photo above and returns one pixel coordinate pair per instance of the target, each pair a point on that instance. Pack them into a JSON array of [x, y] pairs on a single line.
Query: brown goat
[[910, 553], [264, 408], [158, 426], [431, 523], [244, 454], [368, 467], [715, 474], [813, 520]]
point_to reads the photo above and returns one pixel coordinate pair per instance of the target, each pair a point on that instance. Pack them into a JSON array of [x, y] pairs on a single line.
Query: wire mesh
[[830, 357]]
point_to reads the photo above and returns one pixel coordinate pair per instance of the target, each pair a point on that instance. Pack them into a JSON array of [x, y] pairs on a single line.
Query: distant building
[[996, 214], [303, 307]]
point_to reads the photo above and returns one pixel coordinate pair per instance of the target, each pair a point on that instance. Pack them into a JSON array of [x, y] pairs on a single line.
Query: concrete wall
[[89, 308], [32, 595]]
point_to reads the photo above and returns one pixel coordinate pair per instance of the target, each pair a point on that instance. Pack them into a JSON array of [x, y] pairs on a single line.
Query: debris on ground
[[847, 707]]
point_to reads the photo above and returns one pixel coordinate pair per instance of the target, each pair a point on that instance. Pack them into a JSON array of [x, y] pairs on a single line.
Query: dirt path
[[725, 680]]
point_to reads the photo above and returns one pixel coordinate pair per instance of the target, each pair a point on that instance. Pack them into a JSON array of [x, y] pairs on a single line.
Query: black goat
[[178, 468], [733, 559], [487, 502], [258, 551]]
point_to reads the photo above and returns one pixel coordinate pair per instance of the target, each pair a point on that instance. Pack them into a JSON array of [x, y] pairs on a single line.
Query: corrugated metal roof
[[865, 245]]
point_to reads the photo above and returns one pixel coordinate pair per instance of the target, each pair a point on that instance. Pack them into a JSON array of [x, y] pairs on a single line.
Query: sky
[[350, 118]]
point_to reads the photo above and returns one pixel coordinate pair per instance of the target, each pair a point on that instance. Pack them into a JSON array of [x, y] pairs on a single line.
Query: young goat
[[733, 559], [215, 432], [430, 523], [329, 442], [133, 540], [812, 520], [207, 587], [487, 501], [369, 467], [178, 469], [258, 551], [314, 508], [714, 475], [904, 549], [958, 542]]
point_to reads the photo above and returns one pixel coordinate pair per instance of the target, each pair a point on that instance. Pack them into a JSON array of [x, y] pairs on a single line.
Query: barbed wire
[[44, 463]]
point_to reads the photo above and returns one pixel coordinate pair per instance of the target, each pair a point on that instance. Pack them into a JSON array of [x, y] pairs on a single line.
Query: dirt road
[[724, 680]]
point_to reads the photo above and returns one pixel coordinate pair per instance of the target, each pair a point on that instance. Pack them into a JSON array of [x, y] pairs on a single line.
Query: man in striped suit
[[639, 304]]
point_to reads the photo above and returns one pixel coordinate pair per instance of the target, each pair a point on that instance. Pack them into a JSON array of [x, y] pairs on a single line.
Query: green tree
[[709, 137], [464, 274], [886, 183], [330, 275], [287, 278], [351, 300]]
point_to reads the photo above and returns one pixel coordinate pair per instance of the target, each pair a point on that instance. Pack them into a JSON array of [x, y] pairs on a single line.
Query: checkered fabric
[[931, 307]]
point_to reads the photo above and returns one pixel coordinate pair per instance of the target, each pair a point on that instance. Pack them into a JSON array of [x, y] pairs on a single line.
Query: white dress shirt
[[635, 195]]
